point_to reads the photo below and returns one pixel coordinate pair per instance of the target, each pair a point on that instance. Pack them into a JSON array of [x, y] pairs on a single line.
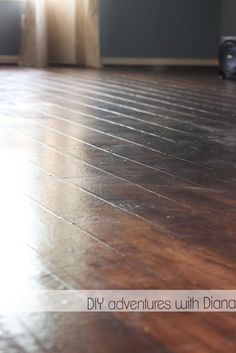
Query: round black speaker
[[227, 58]]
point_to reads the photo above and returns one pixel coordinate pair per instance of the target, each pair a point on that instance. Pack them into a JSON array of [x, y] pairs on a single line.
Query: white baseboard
[[159, 61], [9, 59], [13, 59]]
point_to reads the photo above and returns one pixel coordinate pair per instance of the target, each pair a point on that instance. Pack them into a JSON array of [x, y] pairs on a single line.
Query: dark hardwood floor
[[117, 179]]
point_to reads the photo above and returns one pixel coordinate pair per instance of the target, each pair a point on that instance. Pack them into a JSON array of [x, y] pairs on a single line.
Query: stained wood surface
[[117, 179]]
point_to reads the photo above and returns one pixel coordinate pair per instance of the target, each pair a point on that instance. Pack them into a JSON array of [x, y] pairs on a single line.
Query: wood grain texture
[[117, 179]]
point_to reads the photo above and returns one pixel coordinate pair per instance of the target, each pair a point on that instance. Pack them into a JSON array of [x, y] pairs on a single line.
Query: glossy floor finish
[[117, 179]]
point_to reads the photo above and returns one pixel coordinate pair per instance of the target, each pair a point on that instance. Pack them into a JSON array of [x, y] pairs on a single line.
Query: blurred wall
[[160, 28], [228, 19], [10, 26], [62, 30], [133, 28]]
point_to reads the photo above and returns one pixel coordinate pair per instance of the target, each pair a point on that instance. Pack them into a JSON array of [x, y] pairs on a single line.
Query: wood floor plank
[[100, 210], [167, 121], [158, 90], [165, 163], [209, 117], [184, 153], [117, 179]]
